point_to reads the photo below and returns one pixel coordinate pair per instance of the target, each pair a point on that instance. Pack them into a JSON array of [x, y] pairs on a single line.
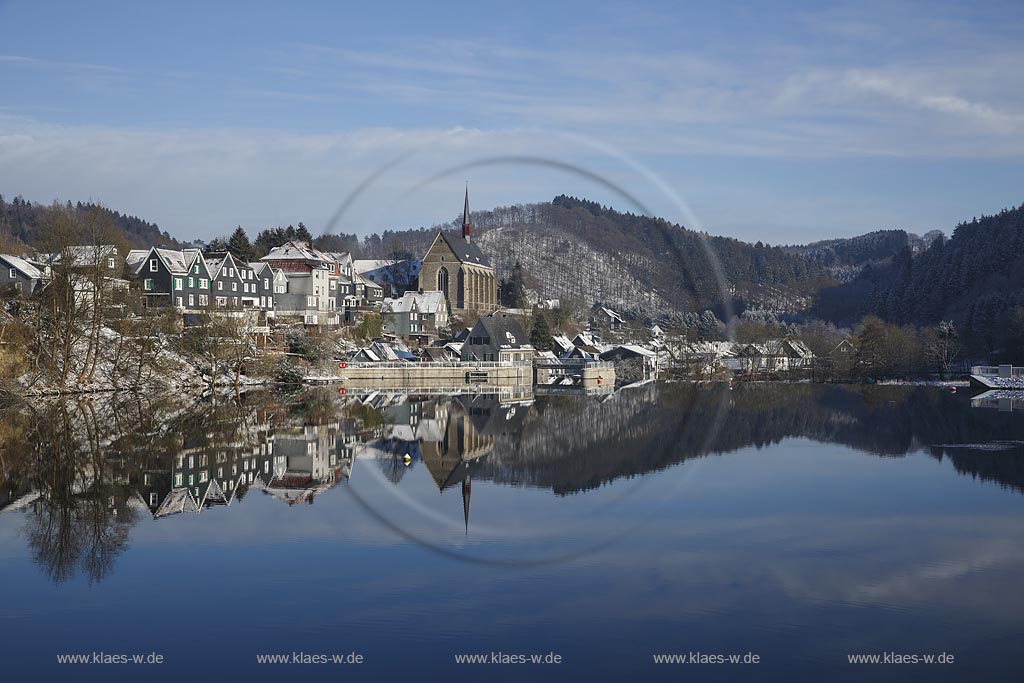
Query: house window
[[177, 283], [14, 273], [222, 301], [153, 499], [177, 480], [234, 301], [204, 300], [153, 267], [311, 302], [203, 476], [204, 283], [191, 300], [195, 269], [110, 263], [220, 286], [234, 286], [191, 282], [147, 285], [266, 283], [180, 303]]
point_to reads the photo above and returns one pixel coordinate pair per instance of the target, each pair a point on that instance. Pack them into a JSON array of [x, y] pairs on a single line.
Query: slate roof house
[[455, 266], [191, 281], [87, 257], [311, 287], [417, 316], [497, 337], [19, 276], [396, 277]]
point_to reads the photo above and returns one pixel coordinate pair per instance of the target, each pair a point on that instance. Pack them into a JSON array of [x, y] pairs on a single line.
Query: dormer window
[[153, 265]]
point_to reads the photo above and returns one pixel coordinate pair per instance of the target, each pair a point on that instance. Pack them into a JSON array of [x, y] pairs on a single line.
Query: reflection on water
[[801, 521], [85, 472]]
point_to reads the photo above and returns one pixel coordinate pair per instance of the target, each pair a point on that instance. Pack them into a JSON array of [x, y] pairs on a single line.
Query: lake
[[787, 526]]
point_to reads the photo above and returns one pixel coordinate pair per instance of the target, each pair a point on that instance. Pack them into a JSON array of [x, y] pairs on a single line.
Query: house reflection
[[450, 436], [83, 473]]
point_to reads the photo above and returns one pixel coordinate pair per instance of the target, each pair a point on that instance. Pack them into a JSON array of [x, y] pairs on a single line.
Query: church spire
[[467, 489], [467, 227]]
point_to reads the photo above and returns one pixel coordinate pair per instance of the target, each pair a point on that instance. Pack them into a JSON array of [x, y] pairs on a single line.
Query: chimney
[[467, 227]]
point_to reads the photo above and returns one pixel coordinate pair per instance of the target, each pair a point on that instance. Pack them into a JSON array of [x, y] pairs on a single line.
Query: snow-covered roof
[[23, 266], [367, 282], [290, 251], [424, 302], [81, 256], [363, 266], [583, 339], [562, 342], [612, 314], [135, 257]]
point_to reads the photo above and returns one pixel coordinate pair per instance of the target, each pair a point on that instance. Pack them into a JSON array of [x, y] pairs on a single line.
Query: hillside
[[976, 279], [575, 249], [26, 227]]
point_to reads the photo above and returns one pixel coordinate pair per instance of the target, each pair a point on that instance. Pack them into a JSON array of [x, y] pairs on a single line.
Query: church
[[455, 266]]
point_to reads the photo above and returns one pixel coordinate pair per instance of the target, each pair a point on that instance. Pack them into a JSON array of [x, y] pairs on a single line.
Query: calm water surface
[[797, 523]]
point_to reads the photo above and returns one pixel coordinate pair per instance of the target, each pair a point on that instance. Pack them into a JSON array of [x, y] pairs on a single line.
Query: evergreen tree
[[513, 288], [540, 335], [239, 245], [302, 234]]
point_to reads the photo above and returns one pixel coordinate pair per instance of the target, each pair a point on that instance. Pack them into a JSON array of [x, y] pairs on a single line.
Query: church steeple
[[467, 227], [467, 489]]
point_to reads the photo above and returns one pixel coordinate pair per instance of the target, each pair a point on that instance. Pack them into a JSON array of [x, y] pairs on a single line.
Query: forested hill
[[579, 250], [975, 278], [26, 227], [845, 258]]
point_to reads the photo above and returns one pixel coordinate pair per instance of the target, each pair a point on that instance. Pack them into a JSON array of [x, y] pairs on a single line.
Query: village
[[435, 322]]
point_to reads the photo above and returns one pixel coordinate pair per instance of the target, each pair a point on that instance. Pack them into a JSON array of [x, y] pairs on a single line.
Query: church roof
[[465, 251]]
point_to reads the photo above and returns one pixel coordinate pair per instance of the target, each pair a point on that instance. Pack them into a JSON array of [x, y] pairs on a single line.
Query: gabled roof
[[177, 501], [626, 351], [260, 266], [562, 342], [583, 339], [504, 330], [363, 266], [466, 252], [174, 260], [342, 257], [367, 282], [81, 256], [22, 266], [425, 302], [294, 249]]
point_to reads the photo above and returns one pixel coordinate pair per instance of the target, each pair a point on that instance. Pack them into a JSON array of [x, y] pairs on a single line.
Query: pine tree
[[540, 335], [302, 234], [513, 288], [239, 245]]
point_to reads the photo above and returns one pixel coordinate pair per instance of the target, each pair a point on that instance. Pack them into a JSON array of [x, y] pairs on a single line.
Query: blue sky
[[785, 122]]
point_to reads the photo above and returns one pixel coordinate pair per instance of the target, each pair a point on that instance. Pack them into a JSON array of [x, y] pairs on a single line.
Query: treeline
[[24, 226], [975, 279], [390, 244], [854, 251]]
